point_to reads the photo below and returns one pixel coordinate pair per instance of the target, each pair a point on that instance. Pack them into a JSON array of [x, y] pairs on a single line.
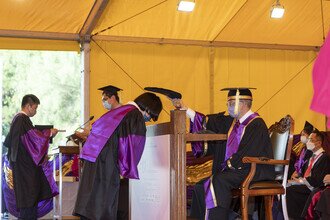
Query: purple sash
[[36, 143], [197, 147], [102, 129], [236, 133], [44, 206], [301, 161]]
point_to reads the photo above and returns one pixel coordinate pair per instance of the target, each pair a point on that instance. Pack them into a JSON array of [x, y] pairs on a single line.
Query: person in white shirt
[[312, 176]]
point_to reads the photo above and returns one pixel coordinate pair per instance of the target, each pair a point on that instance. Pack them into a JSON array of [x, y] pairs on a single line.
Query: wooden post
[[178, 201]]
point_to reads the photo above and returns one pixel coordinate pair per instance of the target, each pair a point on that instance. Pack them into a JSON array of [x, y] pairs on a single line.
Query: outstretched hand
[[178, 103], [53, 132], [82, 134], [326, 180]]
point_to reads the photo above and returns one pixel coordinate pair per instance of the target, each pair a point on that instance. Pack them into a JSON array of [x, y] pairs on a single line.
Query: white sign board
[[150, 196]]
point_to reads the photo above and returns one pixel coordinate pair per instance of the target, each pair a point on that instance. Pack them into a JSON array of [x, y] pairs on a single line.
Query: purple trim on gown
[[36, 143], [210, 200], [44, 207], [47, 168], [196, 126], [102, 129], [130, 150], [301, 162], [236, 134], [232, 145]]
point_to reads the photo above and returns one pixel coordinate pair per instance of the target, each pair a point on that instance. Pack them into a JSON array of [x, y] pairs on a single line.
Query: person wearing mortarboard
[[300, 155], [112, 150], [110, 100], [247, 136]]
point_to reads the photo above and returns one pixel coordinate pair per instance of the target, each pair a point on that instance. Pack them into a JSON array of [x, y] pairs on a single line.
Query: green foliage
[[54, 77]]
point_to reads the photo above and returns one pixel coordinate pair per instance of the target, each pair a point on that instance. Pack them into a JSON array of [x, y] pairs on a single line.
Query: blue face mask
[[146, 118], [231, 112], [106, 105]]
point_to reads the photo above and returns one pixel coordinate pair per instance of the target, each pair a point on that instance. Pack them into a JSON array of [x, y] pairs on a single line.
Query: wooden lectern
[[161, 191]]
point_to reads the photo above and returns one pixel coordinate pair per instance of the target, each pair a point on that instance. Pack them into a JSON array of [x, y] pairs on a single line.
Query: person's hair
[[150, 103], [319, 136], [247, 102], [30, 99], [109, 94]]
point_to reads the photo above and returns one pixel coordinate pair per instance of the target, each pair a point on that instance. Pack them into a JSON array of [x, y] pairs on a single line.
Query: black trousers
[[28, 213], [296, 197], [218, 213]]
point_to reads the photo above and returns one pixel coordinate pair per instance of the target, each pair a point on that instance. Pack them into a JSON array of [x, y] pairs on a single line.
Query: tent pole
[[211, 78], [85, 63], [203, 43]]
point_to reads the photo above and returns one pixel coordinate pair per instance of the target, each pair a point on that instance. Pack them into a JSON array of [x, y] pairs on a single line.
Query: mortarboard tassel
[[236, 102]]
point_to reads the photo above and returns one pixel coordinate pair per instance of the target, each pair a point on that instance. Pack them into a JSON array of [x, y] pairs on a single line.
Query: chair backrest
[[281, 135]]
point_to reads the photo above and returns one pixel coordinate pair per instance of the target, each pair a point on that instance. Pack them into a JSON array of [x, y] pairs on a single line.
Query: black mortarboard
[[308, 127], [243, 93], [110, 89], [169, 93]]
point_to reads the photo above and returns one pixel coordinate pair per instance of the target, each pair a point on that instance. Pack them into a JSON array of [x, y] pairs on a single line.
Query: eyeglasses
[[312, 140], [231, 103], [105, 98]]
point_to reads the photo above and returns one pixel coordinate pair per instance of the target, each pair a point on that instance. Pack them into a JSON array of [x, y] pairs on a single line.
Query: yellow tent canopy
[[138, 43]]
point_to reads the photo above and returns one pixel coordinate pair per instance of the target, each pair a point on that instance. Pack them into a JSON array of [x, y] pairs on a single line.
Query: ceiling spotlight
[[186, 5], [277, 10]]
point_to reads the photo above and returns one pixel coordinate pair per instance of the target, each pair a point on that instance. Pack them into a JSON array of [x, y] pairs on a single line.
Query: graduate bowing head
[[150, 105], [110, 98], [30, 104], [239, 101]]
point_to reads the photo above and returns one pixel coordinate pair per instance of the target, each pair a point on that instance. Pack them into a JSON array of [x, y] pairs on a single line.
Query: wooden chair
[[281, 134]]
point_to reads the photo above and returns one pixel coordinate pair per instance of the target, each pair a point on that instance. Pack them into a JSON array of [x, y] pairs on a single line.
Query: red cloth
[[321, 81], [309, 168], [310, 210], [75, 166]]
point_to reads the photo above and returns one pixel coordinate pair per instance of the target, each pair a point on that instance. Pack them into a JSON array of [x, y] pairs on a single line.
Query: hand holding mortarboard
[[174, 96], [178, 104]]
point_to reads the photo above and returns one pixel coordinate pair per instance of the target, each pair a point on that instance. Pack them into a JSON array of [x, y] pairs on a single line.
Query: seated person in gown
[[299, 154], [313, 173], [247, 136], [317, 205]]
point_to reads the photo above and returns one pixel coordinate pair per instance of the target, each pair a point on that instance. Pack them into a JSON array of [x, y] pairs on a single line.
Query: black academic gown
[[30, 183], [297, 195], [219, 124], [323, 205], [255, 143], [99, 185]]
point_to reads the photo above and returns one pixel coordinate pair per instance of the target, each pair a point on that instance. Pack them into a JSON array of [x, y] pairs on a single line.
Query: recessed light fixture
[[186, 5], [277, 10]]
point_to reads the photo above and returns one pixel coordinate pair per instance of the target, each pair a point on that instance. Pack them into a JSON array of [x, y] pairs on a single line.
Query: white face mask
[[310, 145], [303, 139], [106, 105]]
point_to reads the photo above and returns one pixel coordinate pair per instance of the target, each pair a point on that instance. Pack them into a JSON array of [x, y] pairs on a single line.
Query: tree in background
[[54, 77]]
